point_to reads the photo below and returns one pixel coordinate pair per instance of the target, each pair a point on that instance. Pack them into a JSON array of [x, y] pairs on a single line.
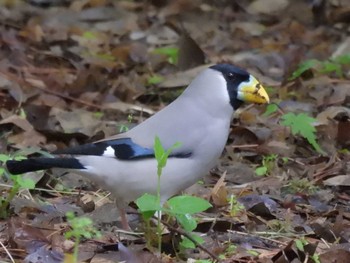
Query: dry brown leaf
[[19, 122], [339, 180], [219, 192], [26, 139]]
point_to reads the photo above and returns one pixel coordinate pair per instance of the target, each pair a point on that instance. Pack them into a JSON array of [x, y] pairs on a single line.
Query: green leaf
[[148, 202], [148, 205], [306, 65], [161, 154], [299, 244], [89, 35], [261, 171], [344, 59], [22, 182], [270, 158], [253, 252], [22, 113], [105, 56], [271, 108], [185, 204], [80, 227], [329, 67], [158, 149], [186, 243], [4, 158], [155, 79], [302, 124], [187, 222], [98, 114], [171, 52]]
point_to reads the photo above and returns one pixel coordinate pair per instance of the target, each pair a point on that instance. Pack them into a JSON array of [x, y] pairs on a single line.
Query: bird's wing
[[120, 148]]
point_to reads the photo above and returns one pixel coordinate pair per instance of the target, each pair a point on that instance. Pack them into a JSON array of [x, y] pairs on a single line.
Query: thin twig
[[131, 233], [7, 252], [245, 146], [295, 161], [183, 233], [262, 237], [101, 198], [59, 94], [326, 243]]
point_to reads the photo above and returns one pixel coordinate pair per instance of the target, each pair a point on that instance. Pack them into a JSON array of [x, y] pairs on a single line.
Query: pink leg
[[124, 219]]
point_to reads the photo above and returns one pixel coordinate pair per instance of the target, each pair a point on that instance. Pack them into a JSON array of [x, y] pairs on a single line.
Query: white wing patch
[[109, 152]]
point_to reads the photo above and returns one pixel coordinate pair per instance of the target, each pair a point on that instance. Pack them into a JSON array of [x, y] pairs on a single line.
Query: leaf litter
[[74, 72]]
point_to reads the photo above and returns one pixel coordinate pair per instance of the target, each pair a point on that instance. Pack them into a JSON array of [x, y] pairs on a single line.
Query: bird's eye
[[231, 75]]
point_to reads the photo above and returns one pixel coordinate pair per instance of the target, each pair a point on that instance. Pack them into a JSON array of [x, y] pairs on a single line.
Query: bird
[[198, 120]]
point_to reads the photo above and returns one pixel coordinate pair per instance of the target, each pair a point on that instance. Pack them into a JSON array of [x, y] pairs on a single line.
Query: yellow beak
[[252, 92]]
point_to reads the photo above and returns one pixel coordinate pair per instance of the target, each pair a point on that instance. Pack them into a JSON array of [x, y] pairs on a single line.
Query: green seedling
[[344, 151], [333, 65], [235, 206], [301, 186], [229, 251], [180, 207], [302, 124], [18, 183], [81, 227], [90, 35], [253, 252], [98, 114], [171, 52], [155, 79], [301, 243], [270, 109], [268, 163], [125, 127]]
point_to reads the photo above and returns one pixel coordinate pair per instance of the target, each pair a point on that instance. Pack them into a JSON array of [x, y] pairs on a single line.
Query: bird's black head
[[241, 86], [233, 76]]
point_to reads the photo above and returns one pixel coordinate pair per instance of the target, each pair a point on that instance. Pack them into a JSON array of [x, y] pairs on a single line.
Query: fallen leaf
[[219, 192]]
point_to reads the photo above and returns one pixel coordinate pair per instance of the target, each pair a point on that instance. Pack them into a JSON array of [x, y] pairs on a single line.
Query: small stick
[[181, 232], [7, 252]]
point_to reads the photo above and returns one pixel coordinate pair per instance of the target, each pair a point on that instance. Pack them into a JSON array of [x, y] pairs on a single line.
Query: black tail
[[35, 164]]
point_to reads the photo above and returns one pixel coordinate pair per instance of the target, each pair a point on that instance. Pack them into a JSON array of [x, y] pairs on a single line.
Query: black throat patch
[[233, 76]]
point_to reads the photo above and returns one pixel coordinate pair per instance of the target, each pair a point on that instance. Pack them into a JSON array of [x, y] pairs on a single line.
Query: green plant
[[302, 185], [180, 207], [98, 114], [301, 243], [268, 162], [253, 252], [235, 206], [332, 65], [162, 157], [344, 151], [230, 250], [18, 182], [302, 124], [280, 226], [125, 127], [155, 79], [271, 108], [171, 52], [90, 35], [81, 227]]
